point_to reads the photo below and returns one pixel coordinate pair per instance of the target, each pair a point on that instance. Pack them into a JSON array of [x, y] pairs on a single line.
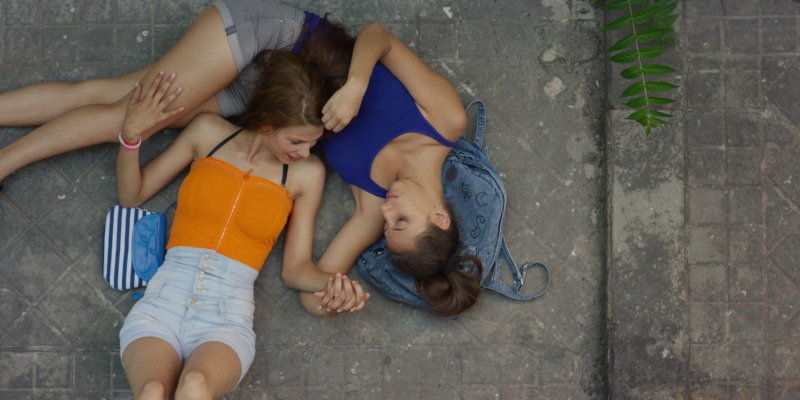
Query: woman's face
[[407, 211], [294, 142]]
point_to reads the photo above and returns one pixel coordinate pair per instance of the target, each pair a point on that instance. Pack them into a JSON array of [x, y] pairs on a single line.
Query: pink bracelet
[[128, 146]]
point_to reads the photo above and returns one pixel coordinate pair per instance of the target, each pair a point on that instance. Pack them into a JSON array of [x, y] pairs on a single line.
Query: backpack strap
[[480, 119], [518, 274]]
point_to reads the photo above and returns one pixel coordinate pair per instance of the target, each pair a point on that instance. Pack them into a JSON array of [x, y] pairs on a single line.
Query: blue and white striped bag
[[133, 246]]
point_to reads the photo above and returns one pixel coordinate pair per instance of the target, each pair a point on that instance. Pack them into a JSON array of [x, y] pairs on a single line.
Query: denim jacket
[[476, 192]]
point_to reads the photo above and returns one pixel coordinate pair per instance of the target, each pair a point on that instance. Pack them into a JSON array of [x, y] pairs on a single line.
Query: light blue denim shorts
[[197, 296]]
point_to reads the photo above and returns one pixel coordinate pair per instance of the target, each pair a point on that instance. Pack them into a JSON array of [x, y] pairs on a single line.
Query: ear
[[441, 218]]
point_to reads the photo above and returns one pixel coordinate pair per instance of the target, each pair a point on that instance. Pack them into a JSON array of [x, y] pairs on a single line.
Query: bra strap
[[285, 173], [222, 143]]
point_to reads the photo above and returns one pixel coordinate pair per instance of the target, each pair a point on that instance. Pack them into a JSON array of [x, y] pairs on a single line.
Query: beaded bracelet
[[129, 146]]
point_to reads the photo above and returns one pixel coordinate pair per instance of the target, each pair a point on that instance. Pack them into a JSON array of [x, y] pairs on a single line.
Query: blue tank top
[[387, 111]]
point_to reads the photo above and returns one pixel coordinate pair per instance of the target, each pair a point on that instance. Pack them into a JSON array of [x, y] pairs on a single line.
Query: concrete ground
[[537, 66], [703, 260]]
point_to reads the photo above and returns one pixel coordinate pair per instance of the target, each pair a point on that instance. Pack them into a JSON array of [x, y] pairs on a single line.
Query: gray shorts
[[254, 26], [196, 296]]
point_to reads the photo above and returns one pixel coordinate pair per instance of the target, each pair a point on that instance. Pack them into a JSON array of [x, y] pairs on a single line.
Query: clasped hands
[[342, 294]]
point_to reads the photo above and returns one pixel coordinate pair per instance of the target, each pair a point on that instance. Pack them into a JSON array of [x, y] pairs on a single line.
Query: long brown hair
[[291, 91], [330, 48], [439, 272]]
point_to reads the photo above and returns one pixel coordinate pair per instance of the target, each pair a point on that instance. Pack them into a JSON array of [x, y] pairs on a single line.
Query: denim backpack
[[476, 192]]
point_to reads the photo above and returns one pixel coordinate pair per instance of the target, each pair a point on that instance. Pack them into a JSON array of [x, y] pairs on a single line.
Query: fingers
[[356, 297], [363, 302], [163, 87], [154, 86], [348, 298], [137, 91], [328, 294]]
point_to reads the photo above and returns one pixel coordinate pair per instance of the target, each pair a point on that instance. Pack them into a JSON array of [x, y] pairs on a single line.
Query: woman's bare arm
[[137, 184]]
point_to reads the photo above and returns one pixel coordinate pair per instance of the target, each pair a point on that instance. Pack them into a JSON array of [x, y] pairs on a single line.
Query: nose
[[305, 151]]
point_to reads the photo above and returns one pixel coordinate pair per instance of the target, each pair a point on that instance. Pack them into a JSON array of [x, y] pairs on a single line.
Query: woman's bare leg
[[39, 103], [211, 371], [152, 366], [204, 63]]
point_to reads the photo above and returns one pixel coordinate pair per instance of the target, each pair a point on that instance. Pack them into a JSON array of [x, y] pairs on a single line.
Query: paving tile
[[92, 371], [704, 34], [746, 322], [704, 90], [707, 322], [708, 362], [705, 128], [780, 218], [778, 7], [787, 362], [706, 244], [91, 265], [741, 90], [170, 12], [96, 11], [21, 12], [787, 390], [738, 392], [73, 305], [96, 43], [100, 182], [13, 225], [67, 224], [780, 288], [34, 330], [133, 11], [741, 7], [34, 188], [781, 97], [747, 283], [742, 129], [16, 266], [746, 245], [469, 44], [741, 35], [16, 370], [706, 206], [103, 334], [784, 324], [360, 366], [708, 391], [59, 45], [785, 256], [133, 43], [12, 304], [744, 167], [780, 35], [703, 7], [53, 370], [59, 11], [118, 379], [745, 205], [707, 282], [21, 46], [746, 362], [285, 368]]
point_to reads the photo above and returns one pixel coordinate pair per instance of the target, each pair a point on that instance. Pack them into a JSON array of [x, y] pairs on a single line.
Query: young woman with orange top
[[191, 336]]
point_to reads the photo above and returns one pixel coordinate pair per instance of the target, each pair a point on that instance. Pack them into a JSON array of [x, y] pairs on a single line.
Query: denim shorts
[[253, 26], [197, 296]]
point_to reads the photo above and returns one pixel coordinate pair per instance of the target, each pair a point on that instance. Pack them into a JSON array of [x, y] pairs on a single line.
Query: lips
[[292, 158], [390, 195]]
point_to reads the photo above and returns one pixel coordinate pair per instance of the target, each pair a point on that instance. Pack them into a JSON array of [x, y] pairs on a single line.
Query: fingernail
[[181, 108], [319, 308], [352, 309], [135, 85], [339, 310], [161, 73], [173, 75], [180, 88], [329, 309]]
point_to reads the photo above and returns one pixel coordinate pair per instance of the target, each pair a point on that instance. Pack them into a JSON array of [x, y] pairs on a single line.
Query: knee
[[193, 385], [153, 390]]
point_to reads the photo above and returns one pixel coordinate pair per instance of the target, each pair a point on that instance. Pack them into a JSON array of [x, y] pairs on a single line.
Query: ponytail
[[444, 277]]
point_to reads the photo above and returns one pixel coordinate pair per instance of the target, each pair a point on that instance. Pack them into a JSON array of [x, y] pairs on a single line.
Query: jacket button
[[199, 287], [207, 257]]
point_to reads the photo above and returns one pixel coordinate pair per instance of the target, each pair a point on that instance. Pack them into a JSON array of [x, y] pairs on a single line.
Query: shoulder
[[206, 130], [307, 175]]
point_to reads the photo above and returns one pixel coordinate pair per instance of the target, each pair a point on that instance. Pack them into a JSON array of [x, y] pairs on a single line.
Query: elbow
[[289, 278]]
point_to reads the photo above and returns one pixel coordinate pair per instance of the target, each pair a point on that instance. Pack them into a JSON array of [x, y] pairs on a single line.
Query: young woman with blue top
[[214, 61], [397, 120]]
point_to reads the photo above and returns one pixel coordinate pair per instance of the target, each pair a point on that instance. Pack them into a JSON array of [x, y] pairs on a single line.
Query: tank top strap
[[222, 143], [285, 174]]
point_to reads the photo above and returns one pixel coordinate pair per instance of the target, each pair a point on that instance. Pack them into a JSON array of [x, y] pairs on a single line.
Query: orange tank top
[[235, 214]]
